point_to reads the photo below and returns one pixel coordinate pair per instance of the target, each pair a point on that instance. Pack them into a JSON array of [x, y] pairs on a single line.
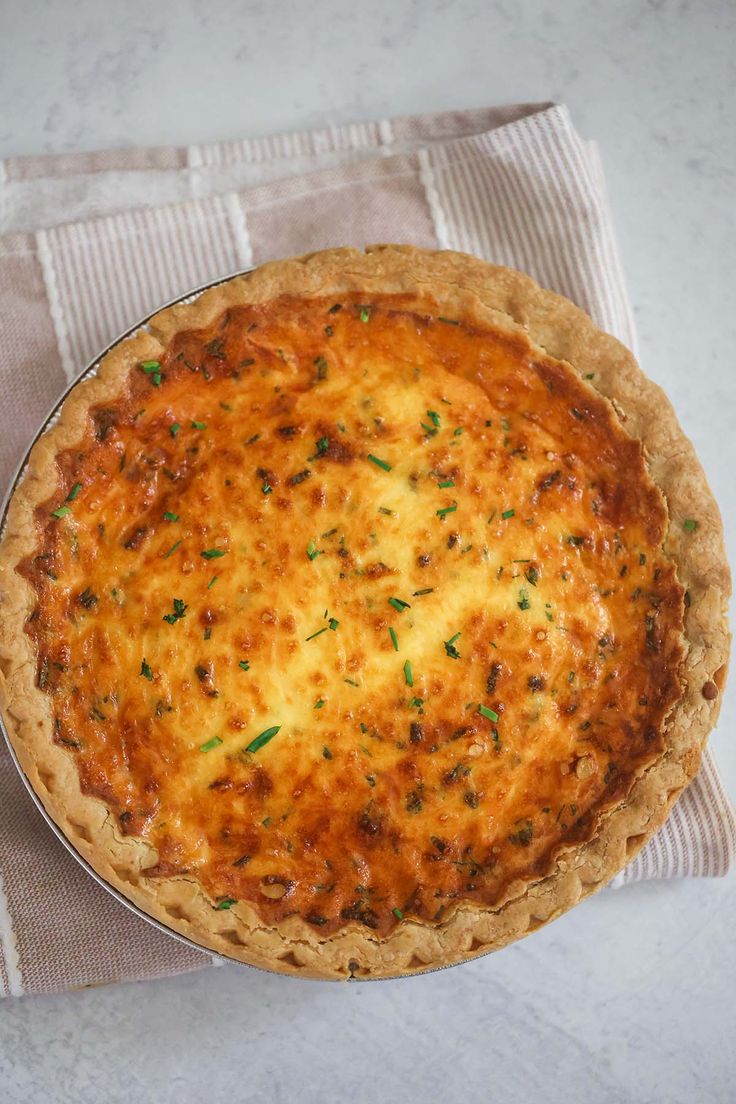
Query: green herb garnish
[[146, 671], [212, 582], [174, 429], [260, 741], [365, 313], [394, 639], [689, 525], [399, 604], [213, 553], [489, 714], [169, 516], [319, 703], [312, 551], [446, 483], [379, 463], [523, 603], [198, 425], [244, 665], [227, 902], [508, 514], [317, 633], [210, 744], [172, 549], [446, 510], [408, 674], [398, 913], [61, 511], [74, 492], [450, 648], [180, 609]]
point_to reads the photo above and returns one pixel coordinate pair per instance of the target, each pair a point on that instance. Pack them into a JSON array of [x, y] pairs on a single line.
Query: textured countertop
[[629, 997]]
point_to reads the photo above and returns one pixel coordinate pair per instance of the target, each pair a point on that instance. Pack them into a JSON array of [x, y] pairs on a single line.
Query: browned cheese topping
[[355, 613]]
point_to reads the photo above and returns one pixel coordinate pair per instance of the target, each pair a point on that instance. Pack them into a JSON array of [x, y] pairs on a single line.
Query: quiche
[[363, 614]]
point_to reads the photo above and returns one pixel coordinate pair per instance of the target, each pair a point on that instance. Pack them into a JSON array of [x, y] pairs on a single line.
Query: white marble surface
[[630, 997]]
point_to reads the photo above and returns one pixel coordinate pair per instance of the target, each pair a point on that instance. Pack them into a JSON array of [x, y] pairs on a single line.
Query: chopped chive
[[244, 665], [378, 462], [457, 432], [174, 429], [198, 425], [169, 516], [571, 677], [266, 488], [532, 575], [207, 632], [689, 525], [149, 366], [212, 582], [213, 553], [419, 593], [448, 321], [146, 671], [399, 604], [74, 492], [446, 510], [508, 514], [333, 623], [446, 483], [394, 639], [317, 633], [365, 313], [450, 648], [156, 379], [326, 753], [312, 551], [180, 609], [523, 603], [210, 744], [226, 902], [398, 913], [319, 703], [490, 714], [505, 425], [263, 739], [429, 430], [589, 375], [384, 510], [60, 511], [172, 549], [434, 418], [408, 675]]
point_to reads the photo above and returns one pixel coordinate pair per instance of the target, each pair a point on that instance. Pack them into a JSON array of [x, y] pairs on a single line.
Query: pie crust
[[554, 337]]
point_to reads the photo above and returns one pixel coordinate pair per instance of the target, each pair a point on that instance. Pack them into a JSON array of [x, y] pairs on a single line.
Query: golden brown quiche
[[364, 614]]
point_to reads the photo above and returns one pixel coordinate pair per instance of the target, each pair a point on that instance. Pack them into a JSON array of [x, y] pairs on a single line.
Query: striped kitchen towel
[[90, 242]]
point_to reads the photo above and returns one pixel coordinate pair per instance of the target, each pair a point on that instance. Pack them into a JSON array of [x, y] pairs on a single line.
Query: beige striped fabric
[[91, 242]]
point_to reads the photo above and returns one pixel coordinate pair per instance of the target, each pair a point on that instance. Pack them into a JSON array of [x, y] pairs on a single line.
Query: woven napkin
[[90, 242]]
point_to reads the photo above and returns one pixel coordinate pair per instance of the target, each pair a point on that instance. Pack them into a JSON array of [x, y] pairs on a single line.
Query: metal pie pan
[[48, 422]]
